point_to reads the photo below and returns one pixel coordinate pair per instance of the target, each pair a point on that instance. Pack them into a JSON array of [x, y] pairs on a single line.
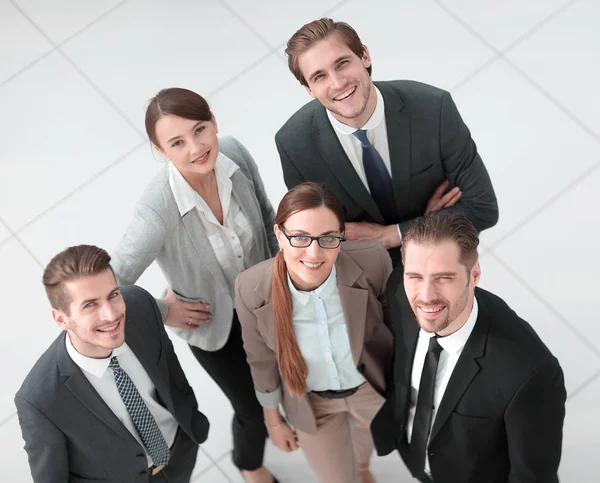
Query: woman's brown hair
[[177, 102], [292, 365]]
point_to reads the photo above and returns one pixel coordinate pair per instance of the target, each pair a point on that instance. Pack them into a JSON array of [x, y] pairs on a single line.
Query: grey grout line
[[563, 192], [233, 12], [80, 187], [214, 465], [7, 419], [567, 112], [583, 386], [582, 338], [34, 62], [79, 70], [538, 26], [518, 70]]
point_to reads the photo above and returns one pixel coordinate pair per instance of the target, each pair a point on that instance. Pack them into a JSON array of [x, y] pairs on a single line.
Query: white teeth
[[431, 310], [344, 95], [312, 265], [109, 329]]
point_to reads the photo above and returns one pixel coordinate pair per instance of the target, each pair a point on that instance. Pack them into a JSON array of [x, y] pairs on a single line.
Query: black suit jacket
[[71, 435], [501, 417], [428, 142]]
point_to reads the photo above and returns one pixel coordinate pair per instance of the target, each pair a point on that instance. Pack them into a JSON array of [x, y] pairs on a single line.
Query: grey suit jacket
[[71, 435], [428, 143], [362, 272], [182, 250]]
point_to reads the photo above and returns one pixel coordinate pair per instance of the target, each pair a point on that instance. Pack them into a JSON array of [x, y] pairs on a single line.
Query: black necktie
[[422, 422], [378, 179]]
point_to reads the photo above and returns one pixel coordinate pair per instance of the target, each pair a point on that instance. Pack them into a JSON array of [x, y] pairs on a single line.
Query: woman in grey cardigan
[[204, 218]]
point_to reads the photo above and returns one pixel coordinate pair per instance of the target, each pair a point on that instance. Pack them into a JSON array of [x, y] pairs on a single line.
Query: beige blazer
[[362, 272]]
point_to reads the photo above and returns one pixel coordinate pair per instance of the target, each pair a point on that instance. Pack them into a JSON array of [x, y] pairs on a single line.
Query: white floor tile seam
[[547, 204], [83, 185], [58, 50], [214, 464], [8, 419], [585, 384], [561, 317], [501, 54]]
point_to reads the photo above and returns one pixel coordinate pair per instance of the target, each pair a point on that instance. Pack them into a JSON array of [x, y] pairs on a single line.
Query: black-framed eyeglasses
[[304, 241]]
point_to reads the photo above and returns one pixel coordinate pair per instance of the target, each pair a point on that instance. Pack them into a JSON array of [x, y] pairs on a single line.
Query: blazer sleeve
[[534, 423], [261, 359], [464, 168], [141, 244], [291, 175], [266, 208], [45, 444]]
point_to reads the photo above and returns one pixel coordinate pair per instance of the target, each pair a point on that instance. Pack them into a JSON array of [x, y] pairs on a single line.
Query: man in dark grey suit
[[391, 151], [108, 400]]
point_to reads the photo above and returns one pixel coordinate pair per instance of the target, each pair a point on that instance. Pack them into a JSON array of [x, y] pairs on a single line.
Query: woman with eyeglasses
[[314, 333]]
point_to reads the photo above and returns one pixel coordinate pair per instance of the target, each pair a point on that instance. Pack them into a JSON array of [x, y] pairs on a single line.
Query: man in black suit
[[390, 151], [108, 400], [476, 396]]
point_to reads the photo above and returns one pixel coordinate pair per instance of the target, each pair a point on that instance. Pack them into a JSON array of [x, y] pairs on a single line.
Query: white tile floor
[[74, 80]]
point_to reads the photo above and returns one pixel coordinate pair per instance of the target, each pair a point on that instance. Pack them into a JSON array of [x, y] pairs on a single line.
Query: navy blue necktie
[[422, 421], [378, 179]]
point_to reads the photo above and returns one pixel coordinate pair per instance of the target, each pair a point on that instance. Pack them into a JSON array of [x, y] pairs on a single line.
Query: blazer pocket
[[421, 171], [183, 298], [472, 422]]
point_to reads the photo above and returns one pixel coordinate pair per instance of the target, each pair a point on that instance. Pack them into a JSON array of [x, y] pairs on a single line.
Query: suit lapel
[[151, 365], [466, 369], [80, 387], [398, 131], [241, 190], [334, 155], [354, 303]]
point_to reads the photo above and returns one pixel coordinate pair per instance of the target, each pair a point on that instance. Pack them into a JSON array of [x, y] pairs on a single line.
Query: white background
[[75, 76]]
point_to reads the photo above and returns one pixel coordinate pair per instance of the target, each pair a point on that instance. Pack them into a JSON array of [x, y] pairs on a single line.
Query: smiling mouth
[[345, 95], [202, 158], [312, 266], [110, 329], [432, 311]]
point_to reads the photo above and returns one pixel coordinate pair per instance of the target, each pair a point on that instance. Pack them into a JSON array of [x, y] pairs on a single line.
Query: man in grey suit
[[391, 151], [108, 400]]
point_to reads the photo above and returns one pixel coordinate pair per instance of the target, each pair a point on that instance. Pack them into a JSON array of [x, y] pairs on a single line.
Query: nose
[[108, 312], [195, 147], [313, 249], [427, 291], [338, 80]]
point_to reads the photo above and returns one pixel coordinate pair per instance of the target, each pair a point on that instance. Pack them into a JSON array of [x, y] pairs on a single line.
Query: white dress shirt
[[376, 128], [452, 346], [232, 242], [322, 336], [103, 381]]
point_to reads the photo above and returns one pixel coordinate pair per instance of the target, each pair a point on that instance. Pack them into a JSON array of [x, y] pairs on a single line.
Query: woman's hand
[[186, 315], [283, 437]]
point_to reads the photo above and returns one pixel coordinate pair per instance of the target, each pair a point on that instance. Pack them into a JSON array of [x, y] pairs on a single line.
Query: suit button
[[431, 454]]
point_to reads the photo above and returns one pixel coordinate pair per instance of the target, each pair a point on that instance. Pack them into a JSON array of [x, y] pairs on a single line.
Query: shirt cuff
[[399, 233], [269, 400]]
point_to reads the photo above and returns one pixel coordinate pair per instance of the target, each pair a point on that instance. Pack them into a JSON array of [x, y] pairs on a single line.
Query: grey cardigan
[[182, 250]]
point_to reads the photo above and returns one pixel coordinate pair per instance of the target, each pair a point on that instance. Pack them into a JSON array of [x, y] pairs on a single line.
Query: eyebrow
[[336, 61], [169, 141], [438, 274], [87, 301], [302, 232]]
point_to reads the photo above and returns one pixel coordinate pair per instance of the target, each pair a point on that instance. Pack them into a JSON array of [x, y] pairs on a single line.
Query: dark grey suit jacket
[[428, 142], [502, 414], [71, 435]]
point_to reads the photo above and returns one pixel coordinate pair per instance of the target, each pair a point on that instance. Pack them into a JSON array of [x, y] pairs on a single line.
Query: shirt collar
[[374, 121], [185, 196], [322, 291], [96, 367], [457, 340]]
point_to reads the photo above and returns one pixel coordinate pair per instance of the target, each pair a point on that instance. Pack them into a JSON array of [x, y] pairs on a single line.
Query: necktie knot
[[361, 135], [434, 345], [114, 363]]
